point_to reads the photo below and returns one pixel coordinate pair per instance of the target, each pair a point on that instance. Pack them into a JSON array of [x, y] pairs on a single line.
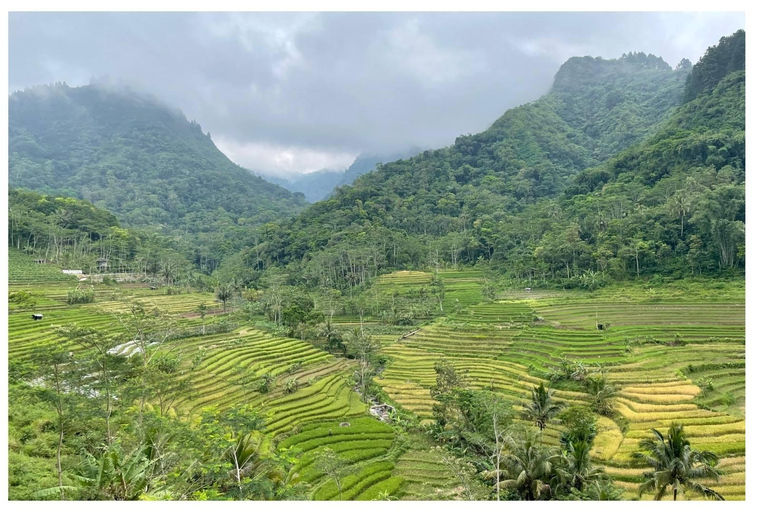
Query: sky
[[290, 93]]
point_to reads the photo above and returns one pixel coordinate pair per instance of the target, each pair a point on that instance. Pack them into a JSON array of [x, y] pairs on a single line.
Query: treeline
[[73, 233], [530, 198]]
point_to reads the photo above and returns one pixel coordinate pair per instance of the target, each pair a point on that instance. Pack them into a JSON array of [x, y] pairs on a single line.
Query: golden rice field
[[508, 346]]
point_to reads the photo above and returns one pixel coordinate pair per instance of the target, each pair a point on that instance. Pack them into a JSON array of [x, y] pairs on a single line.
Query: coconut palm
[[248, 463], [542, 408], [331, 336], [530, 468], [602, 394], [224, 293], [578, 471], [675, 464]]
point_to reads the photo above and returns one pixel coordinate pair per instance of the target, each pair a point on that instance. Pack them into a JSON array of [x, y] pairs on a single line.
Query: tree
[[147, 331], [676, 464], [580, 425], [438, 289], [202, 309], [579, 472], [329, 463], [332, 337], [602, 394], [501, 417], [364, 348], [530, 468], [225, 292], [541, 409], [448, 380], [300, 314], [229, 436], [59, 388], [99, 344]]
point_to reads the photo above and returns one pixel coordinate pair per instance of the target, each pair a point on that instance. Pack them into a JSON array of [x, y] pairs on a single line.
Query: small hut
[[102, 264]]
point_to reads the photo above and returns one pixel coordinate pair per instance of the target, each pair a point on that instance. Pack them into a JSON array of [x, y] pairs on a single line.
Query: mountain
[[319, 185], [143, 161], [409, 209], [366, 163], [314, 185]]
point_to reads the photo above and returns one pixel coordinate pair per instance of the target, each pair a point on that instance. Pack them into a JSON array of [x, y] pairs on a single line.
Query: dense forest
[[608, 176], [147, 164]]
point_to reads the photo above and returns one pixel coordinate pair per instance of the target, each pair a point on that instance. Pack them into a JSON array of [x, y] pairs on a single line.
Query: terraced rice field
[[462, 287], [425, 476], [363, 442], [501, 348], [661, 356], [22, 270]]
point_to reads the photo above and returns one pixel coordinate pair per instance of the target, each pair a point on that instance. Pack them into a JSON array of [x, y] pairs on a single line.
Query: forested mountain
[[541, 195], [319, 185], [366, 163], [140, 160]]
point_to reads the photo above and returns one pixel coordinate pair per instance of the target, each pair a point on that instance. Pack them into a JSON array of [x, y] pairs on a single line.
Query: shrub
[[264, 384], [81, 296], [705, 383], [22, 299], [291, 386]]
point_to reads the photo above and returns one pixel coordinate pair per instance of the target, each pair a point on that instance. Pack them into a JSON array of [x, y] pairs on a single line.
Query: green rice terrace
[[670, 358]]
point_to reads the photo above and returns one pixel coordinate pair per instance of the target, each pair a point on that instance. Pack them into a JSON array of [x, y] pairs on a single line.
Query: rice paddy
[[671, 360], [657, 354]]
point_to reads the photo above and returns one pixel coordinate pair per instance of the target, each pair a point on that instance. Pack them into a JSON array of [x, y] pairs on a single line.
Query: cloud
[[278, 160], [284, 93], [419, 55]]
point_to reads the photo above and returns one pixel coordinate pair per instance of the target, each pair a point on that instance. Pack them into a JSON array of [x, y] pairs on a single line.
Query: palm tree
[[541, 409], [247, 462], [530, 468], [225, 293], [578, 471], [332, 337], [602, 394], [676, 464]]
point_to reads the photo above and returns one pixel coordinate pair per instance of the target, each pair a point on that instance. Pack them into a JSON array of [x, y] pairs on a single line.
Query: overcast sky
[[287, 93]]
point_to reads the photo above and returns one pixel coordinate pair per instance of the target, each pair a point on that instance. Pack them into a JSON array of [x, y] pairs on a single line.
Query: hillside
[[448, 202], [144, 162]]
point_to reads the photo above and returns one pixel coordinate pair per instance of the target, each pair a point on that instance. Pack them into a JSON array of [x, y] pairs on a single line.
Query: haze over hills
[[139, 159], [319, 185]]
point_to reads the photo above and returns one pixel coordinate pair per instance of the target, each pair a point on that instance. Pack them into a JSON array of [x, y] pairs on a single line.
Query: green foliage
[[22, 299], [141, 160], [542, 408], [580, 425], [81, 295], [676, 464], [719, 61], [604, 178]]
